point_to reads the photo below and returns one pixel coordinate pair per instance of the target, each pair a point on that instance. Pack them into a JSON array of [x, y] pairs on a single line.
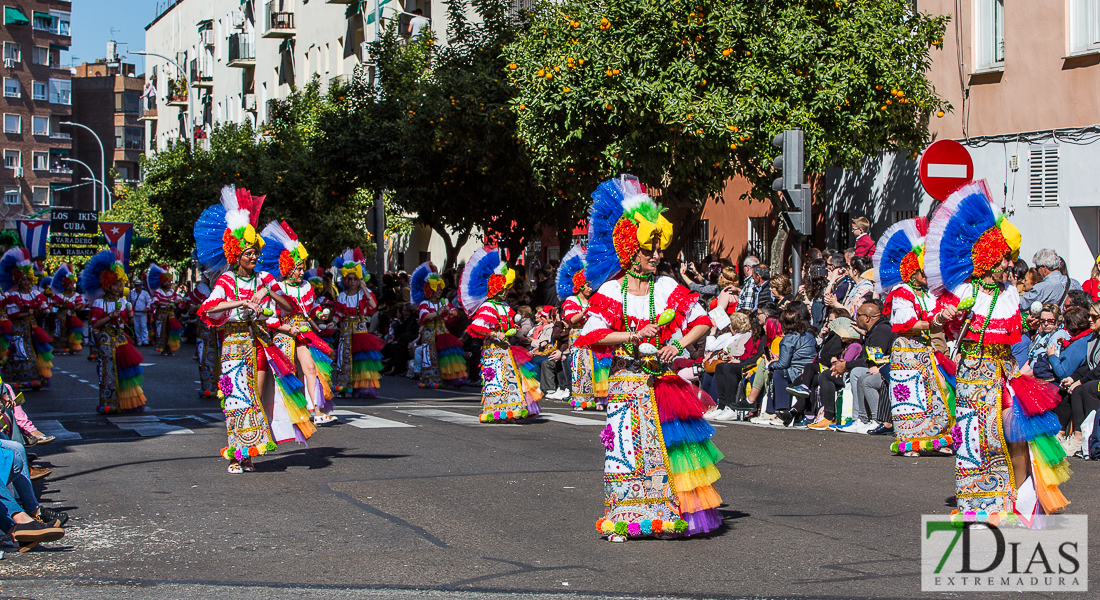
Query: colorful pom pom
[[621, 528], [634, 529]]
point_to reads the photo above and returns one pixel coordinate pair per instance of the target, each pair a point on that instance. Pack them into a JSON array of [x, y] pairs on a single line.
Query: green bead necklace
[[996, 289], [630, 348]]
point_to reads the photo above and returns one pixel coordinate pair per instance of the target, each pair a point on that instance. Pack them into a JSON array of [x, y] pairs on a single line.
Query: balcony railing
[[280, 19], [242, 50], [202, 72], [61, 170], [61, 136]]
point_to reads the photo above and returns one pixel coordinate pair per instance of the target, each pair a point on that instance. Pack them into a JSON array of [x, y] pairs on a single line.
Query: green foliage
[[689, 93], [448, 142], [131, 206]]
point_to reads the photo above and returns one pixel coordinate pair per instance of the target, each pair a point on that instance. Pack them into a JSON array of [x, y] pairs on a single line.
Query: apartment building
[[107, 98], [1023, 79], [37, 100], [218, 61]]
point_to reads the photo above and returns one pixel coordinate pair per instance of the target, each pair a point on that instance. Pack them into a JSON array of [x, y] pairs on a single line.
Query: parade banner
[[33, 234], [119, 237]]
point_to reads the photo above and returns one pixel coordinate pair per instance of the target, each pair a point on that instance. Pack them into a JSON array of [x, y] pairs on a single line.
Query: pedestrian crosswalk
[[95, 427]]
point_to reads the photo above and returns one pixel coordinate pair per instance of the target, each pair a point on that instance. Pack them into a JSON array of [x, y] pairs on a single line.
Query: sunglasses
[[1053, 321], [1094, 316]]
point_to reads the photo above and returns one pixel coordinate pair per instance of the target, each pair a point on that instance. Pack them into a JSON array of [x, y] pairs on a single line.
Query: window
[[12, 124], [39, 90], [123, 172], [1043, 175], [699, 244], [42, 56], [11, 52], [11, 195], [901, 215], [59, 22], [41, 21], [1084, 25], [758, 238], [11, 159], [11, 88], [128, 102], [40, 161], [61, 91], [844, 231], [130, 138], [40, 125], [990, 36], [41, 196]]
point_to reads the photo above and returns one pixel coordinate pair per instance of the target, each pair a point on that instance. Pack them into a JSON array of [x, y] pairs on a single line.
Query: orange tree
[[689, 93]]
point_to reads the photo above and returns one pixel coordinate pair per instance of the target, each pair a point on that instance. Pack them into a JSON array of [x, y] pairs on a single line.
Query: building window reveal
[[991, 33]]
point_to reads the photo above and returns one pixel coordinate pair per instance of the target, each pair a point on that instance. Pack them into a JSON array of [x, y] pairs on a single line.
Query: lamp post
[[102, 155], [183, 75], [95, 181]]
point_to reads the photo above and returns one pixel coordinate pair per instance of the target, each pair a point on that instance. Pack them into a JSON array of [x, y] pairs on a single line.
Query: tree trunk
[[449, 244]]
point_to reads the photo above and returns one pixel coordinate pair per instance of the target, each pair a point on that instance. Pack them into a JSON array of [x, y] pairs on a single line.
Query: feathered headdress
[[316, 279], [424, 281], [224, 230], [14, 266], [623, 219], [101, 272], [63, 275], [571, 272], [967, 237], [351, 263], [486, 276], [899, 253], [156, 277], [282, 250]]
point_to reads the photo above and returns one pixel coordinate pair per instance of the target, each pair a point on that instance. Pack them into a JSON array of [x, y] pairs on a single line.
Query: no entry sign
[[945, 167]]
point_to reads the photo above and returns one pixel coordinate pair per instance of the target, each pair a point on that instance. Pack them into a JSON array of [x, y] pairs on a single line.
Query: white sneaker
[[710, 414], [552, 395], [726, 414], [866, 427], [764, 419]]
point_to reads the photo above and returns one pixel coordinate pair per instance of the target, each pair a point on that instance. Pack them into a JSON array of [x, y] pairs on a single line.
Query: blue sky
[[92, 23]]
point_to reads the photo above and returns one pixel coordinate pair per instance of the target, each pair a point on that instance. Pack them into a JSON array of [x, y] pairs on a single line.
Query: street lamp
[[102, 155], [94, 180], [183, 75]]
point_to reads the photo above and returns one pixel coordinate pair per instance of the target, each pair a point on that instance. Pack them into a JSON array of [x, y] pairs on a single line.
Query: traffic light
[[791, 186]]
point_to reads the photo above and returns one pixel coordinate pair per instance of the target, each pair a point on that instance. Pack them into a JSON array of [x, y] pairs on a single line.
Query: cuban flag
[[34, 234], [119, 236]]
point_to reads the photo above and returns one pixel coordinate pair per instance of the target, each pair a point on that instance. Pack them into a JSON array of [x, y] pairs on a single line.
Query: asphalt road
[[409, 498]]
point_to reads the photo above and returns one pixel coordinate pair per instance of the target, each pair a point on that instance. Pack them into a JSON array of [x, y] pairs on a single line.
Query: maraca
[[966, 304]]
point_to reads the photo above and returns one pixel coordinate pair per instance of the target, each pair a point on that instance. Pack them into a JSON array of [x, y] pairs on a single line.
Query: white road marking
[[56, 429], [368, 421], [147, 425], [147, 364], [570, 419], [82, 380], [452, 417]]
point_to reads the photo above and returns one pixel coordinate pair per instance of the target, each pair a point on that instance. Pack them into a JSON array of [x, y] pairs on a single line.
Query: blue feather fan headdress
[[968, 236], [571, 272], [899, 254], [486, 276], [623, 218]]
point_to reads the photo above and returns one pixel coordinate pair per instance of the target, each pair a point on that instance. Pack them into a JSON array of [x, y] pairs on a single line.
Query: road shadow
[[315, 458]]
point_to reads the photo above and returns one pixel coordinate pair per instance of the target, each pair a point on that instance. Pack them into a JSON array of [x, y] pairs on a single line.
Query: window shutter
[[1043, 172]]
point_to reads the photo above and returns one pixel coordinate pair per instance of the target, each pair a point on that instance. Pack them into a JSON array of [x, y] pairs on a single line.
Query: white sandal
[[616, 538], [235, 468]]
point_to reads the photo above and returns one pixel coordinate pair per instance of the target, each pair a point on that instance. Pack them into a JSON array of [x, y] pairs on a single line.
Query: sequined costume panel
[[983, 471], [917, 392]]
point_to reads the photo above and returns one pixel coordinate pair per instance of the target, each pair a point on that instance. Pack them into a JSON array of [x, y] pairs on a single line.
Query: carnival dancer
[[358, 369], [921, 381], [444, 359], [119, 368], [165, 300], [511, 385], [68, 328], [285, 255], [240, 304], [589, 375], [1005, 425], [207, 347], [659, 467], [30, 365]]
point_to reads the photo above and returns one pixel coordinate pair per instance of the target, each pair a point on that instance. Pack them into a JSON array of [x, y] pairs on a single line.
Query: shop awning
[[42, 15], [205, 24], [14, 16], [371, 11], [58, 47]]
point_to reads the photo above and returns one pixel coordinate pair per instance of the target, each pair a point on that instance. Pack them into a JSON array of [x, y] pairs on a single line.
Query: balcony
[[59, 170], [242, 51], [57, 135], [279, 21], [148, 114], [202, 73]]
